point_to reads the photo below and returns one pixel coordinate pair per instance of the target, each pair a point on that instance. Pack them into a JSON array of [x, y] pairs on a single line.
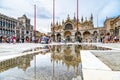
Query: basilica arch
[[58, 37], [86, 36], [67, 35], [95, 34], [77, 36], [53, 37]]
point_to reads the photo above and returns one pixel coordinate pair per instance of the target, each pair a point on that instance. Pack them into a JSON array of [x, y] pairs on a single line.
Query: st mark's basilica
[[67, 30]]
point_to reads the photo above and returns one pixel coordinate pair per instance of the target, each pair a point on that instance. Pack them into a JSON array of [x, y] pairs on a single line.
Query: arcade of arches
[[86, 31]]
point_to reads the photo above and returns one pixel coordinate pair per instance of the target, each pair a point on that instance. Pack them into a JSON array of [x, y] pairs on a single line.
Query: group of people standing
[[43, 39], [110, 38], [8, 39]]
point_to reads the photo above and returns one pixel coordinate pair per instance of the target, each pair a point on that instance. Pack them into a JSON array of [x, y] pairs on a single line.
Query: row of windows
[[6, 24], [6, 32]]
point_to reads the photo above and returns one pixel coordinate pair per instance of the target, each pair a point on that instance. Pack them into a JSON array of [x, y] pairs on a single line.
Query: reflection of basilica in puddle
[[69, 55]]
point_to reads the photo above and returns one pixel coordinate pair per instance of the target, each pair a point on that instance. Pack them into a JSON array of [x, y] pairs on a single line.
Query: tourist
[[14, 39], [33, 39]]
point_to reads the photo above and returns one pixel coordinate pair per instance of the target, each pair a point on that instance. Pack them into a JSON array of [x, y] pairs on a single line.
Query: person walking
[[14, 39]]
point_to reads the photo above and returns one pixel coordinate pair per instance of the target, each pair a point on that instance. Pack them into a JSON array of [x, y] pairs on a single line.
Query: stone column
[[20, 33], [56, 37], [62, 36]]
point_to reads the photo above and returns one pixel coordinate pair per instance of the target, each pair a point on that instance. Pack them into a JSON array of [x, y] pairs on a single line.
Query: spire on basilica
[[57, 23], [51, 24], [74, 18], [91, 18], [68, 17], [63, 21], [82, 19]]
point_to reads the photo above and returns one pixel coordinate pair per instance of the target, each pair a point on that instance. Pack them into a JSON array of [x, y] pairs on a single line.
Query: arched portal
[[86, 36], [67, 36], [95, 34], [53, 37], [58, 37], [78, 36]]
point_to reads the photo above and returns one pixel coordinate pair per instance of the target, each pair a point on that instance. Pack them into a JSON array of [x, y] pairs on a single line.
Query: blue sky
[[99, 8]]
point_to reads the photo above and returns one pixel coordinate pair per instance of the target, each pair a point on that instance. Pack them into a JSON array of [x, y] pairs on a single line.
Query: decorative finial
[[57, 23], [51, 24], [82, 19], [74, 18], [91, 18], [68, 17], [63, 21]]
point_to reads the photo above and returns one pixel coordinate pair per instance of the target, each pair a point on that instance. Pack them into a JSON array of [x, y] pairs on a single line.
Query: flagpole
[[34, 20], [77, 15], [53, 20]]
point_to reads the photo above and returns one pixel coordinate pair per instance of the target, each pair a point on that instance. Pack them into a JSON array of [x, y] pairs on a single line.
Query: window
[[27, 32], [3, 24], [0, 23], [0, 31], [68, 27]]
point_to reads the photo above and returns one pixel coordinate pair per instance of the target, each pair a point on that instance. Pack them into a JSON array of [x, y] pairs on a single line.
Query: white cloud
[[110, 10]]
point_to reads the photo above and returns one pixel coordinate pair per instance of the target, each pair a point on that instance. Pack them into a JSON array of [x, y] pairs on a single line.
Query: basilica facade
[[68, 30]]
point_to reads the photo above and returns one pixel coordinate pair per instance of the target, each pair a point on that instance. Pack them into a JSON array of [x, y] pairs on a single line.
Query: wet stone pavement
[[111, 59], [58, 62]]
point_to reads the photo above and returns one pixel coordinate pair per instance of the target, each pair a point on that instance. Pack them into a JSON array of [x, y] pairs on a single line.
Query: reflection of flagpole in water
[[35, 67], [77, 14], [53, 71]]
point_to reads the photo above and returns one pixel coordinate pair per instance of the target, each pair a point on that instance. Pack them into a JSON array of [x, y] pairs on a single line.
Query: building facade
[[21, 28], [24, 30], [113, 25], [68, 30], [7, 26]]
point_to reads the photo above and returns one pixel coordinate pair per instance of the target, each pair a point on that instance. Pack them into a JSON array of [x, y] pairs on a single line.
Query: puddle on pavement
[[58, 62]]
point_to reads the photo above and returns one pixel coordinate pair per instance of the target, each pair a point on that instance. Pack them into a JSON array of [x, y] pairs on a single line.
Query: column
[[20, 33]]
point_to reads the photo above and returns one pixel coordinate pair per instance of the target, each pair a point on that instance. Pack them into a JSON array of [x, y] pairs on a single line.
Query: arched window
[[68, 27]]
